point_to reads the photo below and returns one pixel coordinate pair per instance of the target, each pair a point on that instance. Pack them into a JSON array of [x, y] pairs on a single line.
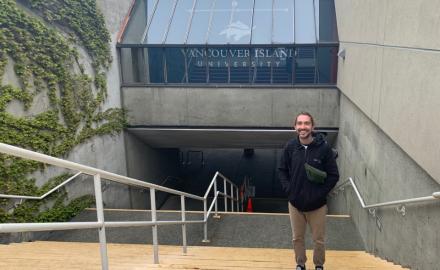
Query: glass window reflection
[[262, 22], [305, 61], [305, 22], [197, 65], [239, 65], [328, 31], [160, 22], [327, 64], [180, 22], [231, 22], [282, 65], [156, 65], [283, 21], [261, 65], [221, 16], [175, 65], [200, 22]]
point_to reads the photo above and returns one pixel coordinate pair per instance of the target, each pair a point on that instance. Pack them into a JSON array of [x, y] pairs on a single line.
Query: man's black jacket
[[302, 193]]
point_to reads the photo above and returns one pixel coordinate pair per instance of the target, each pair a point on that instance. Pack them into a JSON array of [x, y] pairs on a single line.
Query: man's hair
[[305, 113]]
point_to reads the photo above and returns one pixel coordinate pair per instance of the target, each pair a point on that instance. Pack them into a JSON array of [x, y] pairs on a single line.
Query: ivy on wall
[[45, 63]]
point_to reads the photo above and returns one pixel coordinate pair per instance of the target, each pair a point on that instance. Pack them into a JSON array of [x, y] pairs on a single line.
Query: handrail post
[[236, 193], [205, 225], [216, 199], [100, 216], [154, 228], [182, 203], [232, 198], [225, 195]]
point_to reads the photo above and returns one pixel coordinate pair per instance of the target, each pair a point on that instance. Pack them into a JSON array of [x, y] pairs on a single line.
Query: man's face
[[304, 126]]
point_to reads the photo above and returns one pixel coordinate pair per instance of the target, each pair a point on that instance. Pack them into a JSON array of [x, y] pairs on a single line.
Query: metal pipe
[[42, 196], [357, 192], [238, 205], [434, 196], [100, 216], [215, 199], [53, 226], [154, 229], [27, 154], [214, 179], [226, 194], [399, 202], [120, 224], [212, 204], [232, 198], [205, 226], [182, 203]]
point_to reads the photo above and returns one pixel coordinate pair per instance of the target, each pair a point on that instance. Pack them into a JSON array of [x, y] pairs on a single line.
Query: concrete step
[[257, 230], [63, 255], [263, 205]]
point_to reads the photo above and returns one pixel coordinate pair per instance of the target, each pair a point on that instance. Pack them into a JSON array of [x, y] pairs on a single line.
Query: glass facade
[[216, 42]]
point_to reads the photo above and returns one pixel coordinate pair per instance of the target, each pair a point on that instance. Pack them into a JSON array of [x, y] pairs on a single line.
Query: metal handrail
[[401, 203], [27, 154], [44, 195], [101, 224]]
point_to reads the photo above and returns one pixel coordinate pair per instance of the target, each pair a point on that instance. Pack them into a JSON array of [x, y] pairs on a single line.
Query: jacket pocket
[[315, 175]]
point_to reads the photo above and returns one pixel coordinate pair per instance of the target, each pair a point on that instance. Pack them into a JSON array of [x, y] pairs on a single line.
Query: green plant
[[44, 62]]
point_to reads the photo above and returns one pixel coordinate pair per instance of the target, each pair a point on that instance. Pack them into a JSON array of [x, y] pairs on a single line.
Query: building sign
[[240, 57]]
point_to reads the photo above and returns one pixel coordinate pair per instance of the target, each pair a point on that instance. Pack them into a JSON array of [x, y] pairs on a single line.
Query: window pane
[[261, 62], [282, 65], [327, 21], [155, 65], [327, 64], [262, 22], [179, 24], [231, 22], [240, 26], [159, 24], [150, 8], [218, 64], [200, 22], [220, 21], [175, 60], [126, 65], [304, 22], [239, 65], [137, 24], [305, 65], [196, 61], [283, 21]]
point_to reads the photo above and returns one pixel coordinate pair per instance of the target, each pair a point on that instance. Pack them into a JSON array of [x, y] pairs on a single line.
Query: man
[[308, 172]]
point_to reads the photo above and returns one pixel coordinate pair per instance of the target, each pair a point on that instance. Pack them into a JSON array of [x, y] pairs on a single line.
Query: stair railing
[[214, 202], [101, 224], [372, 207]]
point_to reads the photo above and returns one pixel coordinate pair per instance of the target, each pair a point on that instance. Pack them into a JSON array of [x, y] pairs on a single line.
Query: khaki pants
[[316, 221]]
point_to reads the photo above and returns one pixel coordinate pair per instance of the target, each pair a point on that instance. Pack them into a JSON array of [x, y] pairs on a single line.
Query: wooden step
[[69, 255]]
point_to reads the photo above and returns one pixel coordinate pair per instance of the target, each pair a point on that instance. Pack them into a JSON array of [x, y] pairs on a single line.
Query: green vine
[[44, 63]]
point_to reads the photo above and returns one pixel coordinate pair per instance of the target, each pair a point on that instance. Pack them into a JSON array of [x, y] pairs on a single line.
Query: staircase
[[252, 230], [85, 256]]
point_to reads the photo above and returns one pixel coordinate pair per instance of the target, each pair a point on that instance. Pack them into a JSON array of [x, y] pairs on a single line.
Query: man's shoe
[[299, 267], [319, 267]]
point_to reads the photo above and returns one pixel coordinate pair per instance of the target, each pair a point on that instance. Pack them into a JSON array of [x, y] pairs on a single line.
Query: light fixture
[[341, 54]]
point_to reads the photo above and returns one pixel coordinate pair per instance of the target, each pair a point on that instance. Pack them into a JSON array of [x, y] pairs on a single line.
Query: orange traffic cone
[[249, 205]]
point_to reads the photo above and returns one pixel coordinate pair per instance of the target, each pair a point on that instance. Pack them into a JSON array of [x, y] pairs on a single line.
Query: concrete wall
[[390, 70], [151, 165], [240, 107], [384, 172], [388, 128]]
